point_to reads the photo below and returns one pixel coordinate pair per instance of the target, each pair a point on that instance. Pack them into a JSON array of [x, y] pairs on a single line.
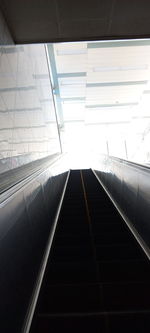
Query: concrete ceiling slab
[[34, 21]]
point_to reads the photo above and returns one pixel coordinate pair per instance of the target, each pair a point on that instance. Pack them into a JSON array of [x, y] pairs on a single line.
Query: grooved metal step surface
[[97, 277]]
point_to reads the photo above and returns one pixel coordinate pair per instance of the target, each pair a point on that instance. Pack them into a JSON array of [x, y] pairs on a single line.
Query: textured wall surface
[[28, 128]]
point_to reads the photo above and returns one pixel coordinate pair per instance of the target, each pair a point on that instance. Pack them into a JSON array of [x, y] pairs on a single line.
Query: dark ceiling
[[74, 20]]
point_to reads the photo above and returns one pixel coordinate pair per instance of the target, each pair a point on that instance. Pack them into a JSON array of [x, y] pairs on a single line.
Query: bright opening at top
[[102, 95]]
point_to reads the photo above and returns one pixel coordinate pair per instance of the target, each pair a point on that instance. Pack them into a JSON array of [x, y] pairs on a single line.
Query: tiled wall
[[28, 128]]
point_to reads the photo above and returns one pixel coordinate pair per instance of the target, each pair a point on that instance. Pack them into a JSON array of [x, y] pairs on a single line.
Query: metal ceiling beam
[[116, 84], [108, 123], [56, 90], [118, 43], [94, 106], [72, 99], [66, 75]]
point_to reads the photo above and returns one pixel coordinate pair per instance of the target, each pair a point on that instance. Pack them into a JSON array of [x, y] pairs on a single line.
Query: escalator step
[[71, 253], [102, 226], [126, 296], [105, 238], [75, 272], [131, 322], [70, 324], [97, 277], [125, 271], [118, 252], [70, 298], [74, 240]]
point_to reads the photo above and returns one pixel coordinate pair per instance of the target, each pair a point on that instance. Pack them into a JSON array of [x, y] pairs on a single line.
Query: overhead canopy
[[73, 20]]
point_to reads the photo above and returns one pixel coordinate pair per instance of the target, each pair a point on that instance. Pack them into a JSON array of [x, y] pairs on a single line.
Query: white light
[[73, 101], [72, 83], [68, 82], [120, 68], [71, 52]]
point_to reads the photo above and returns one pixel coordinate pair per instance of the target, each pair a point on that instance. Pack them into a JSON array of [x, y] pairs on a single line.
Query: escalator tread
[[97, 277]]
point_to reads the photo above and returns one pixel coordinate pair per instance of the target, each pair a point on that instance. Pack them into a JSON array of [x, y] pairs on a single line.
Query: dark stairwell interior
[[97, 277]]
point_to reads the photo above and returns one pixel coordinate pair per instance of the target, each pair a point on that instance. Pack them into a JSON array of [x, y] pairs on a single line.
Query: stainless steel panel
[[26, 219], [129, 185]]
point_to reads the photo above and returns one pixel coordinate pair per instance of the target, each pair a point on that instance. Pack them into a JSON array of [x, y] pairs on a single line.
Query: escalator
[[97, 277]]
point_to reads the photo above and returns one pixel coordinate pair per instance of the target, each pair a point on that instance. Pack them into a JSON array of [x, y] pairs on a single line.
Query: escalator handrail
[[36, 291]]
